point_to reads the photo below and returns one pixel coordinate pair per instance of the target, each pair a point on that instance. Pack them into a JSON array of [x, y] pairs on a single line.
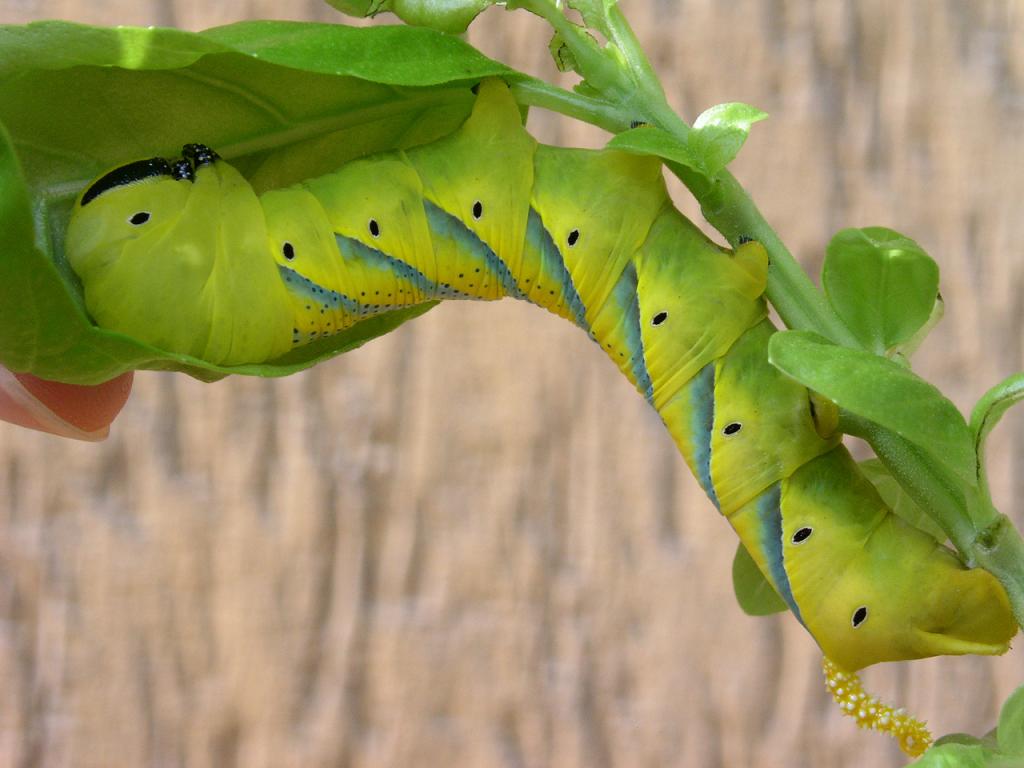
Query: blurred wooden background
[[470, 543]]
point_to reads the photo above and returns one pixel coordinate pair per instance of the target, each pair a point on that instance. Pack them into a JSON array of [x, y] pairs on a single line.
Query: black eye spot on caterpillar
[[139, 218], [659, 318], [744, 239], [478, 210], [732, 429], [288, 250], [859, 616], [374, 228], [636, 123], [802, 534], [573, 238]]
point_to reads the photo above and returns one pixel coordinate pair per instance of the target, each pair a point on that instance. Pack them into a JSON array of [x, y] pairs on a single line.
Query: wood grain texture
[[470, 543]]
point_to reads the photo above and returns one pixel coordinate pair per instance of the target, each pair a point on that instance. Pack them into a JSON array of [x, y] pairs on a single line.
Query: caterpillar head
[[871, 587], [174, 253]]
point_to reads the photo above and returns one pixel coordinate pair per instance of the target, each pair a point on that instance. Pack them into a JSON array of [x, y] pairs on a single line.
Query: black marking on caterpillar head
[[744, 239], [659, 318], [127, 174], [573, 238], [199, 154], [374, 228], [288, 251], [182, 171], [859, 616], [138, 219], [637, 123], [732, 428], [802, 534], [478, 210]]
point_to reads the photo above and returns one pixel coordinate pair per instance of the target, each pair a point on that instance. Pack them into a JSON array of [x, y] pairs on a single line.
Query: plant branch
[[537, 93]]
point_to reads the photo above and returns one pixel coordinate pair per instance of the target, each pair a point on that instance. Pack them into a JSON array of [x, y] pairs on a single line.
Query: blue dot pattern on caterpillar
[[592, 236]]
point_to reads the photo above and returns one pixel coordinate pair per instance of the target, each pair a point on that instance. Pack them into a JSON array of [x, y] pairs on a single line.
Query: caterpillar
[[183, 254]]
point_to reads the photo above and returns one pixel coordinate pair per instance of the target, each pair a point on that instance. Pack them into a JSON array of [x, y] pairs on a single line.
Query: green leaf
[[650, 140], [965, 739], [882, 285], [880, 391], [282, 101], [562, 54], [397, 55], [451, 16], [1010, 733], [753, 592], [719, 133], [594, 13], [898, 500], [710, 145], [987, 413], [956, 756]]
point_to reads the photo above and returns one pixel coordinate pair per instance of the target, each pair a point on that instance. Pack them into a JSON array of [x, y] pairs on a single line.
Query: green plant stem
[[603, 72], [537, 93], [983, 536], [625, 40]]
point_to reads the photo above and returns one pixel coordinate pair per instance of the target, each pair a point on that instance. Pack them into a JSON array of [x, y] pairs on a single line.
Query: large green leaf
[[452, 16], [396, 54], [282, 101], [880, 391]]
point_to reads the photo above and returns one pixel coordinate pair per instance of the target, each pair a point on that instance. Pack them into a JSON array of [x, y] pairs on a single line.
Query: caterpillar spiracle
[[186, 256]]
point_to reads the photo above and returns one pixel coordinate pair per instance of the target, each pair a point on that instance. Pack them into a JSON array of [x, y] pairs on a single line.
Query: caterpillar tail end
[[912, 735]]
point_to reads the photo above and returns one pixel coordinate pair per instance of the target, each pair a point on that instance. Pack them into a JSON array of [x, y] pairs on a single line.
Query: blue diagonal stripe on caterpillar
[[196, 263]]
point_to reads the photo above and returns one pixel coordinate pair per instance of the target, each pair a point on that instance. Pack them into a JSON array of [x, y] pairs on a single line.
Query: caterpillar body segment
[[203, 266]]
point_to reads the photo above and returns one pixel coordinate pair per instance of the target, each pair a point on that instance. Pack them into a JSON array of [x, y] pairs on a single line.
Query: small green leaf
[[562, 54], [880, 391], [710, 145], [1010, 733], [987, 413], [650, 140], [882, 284], [594, 13], [719, 133], [450, 16], [898, 500], [753, 592]]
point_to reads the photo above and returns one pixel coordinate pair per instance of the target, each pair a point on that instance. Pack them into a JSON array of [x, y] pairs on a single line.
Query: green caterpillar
[[184, 255]]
